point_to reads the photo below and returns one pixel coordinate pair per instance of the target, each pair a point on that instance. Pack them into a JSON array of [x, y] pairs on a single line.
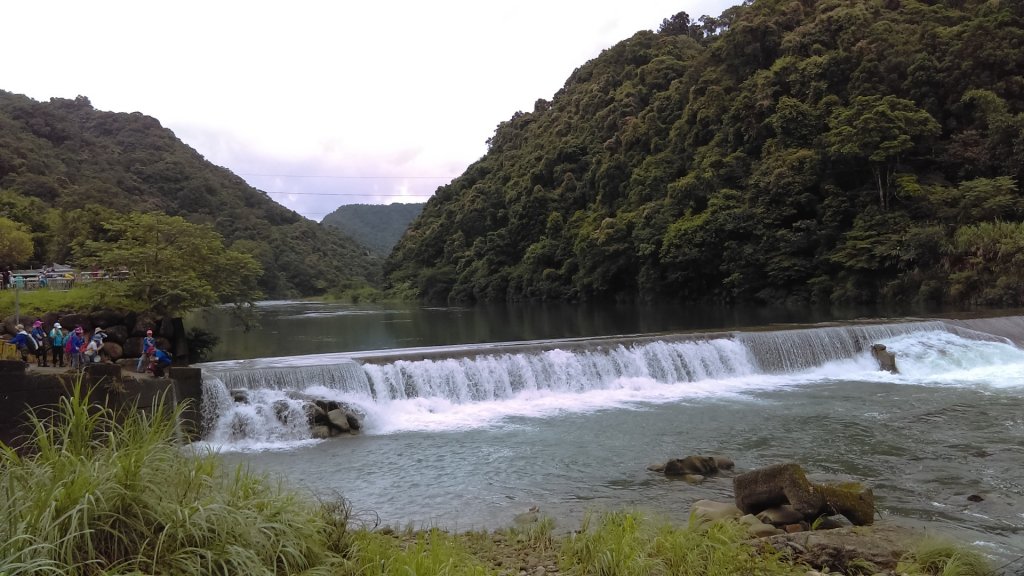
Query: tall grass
[[97, 493], [931, 556], [433, 552], [630, 544]]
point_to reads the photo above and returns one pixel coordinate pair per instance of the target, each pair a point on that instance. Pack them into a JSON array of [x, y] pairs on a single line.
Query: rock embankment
[[124, 330], [326, 418], [804, 520]]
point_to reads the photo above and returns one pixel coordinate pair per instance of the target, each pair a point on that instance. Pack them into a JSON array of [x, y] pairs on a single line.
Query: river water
[[472, 418]]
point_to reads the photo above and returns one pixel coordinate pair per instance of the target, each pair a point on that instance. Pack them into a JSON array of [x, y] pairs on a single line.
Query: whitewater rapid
[[493, 390]]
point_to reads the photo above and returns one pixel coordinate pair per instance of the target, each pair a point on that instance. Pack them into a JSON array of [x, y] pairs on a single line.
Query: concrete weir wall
[[22, 390]]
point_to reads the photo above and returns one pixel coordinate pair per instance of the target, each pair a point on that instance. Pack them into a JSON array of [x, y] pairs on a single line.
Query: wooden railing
[[9, 351]]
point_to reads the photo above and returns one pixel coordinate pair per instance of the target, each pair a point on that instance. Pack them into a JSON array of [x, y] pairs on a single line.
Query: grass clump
[[621, 544], [940, 558], [93, 492], [433, 552]]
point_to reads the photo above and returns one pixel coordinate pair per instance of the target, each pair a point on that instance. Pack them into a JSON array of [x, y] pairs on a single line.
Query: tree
[[172, 265], [879, 129], [15, 243]]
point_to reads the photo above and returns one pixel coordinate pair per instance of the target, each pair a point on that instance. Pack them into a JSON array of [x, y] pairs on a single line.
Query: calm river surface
[[470, 439]]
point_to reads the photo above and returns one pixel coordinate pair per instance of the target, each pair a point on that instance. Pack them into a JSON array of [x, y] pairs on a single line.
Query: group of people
[[78, 350]]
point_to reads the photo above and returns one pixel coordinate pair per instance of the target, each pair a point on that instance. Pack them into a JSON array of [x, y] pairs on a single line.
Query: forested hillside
[[843, 151], [376, 226], [66, 168]]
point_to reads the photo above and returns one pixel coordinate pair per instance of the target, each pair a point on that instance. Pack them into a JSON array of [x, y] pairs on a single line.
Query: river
[[474, 415]]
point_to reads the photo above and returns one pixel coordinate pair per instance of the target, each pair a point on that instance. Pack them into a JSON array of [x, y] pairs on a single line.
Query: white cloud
[[404, 90]]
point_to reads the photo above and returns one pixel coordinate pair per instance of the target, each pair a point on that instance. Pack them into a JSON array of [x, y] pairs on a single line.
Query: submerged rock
[[693, 468]]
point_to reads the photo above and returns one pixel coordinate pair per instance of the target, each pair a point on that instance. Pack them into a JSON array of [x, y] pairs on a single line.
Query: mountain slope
[[376, 226], [789, 150], [65, 165]]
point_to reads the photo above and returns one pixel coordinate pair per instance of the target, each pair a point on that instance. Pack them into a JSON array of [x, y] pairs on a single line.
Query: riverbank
[[241, 522]]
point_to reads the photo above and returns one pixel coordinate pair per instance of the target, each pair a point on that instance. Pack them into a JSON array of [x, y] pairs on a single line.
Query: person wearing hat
[[75, 346], [161, 360], [25, 343], [39, 335], [92, 350], [147, 343], [58, 339]]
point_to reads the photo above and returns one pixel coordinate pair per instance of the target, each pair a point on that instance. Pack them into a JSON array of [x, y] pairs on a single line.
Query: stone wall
[[22, 390]]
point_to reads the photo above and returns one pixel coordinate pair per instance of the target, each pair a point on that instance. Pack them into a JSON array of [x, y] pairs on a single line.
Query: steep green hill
[[790, 150], [376, 226], [66, 167]]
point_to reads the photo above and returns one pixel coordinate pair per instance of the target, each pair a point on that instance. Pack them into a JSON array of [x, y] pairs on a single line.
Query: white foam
[[496, 390]]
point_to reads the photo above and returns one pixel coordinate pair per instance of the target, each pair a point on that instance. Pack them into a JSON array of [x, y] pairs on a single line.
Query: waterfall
[[346, 376], [495, 377], [442, 380]]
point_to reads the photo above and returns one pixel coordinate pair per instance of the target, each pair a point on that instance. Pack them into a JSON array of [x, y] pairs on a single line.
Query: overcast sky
[[321, 103]]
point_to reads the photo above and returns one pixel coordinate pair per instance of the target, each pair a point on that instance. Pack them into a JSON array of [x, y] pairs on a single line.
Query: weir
[[497, 372], [488, 372]]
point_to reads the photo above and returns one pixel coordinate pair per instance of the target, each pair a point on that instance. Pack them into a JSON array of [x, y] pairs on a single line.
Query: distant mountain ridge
[[64, 166], [376, 226]]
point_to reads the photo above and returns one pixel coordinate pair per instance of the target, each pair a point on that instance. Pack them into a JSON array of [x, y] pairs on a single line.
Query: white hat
[[97, 330], [57, 325]]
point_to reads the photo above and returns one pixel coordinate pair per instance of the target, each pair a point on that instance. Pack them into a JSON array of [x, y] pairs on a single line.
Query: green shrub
[[97, 492]]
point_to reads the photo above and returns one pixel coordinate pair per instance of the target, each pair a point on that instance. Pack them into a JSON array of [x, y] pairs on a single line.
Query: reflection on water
[[295, 328]]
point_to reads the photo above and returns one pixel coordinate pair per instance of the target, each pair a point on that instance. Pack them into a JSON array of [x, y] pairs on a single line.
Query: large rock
[[852, 500], [711, 511], [774, 486], [886, 360], [145, 321], [9, 325], [113, 351], [757, 528], [70, 321], [845, 550], [339, 420], [106, 318], [117, 333]]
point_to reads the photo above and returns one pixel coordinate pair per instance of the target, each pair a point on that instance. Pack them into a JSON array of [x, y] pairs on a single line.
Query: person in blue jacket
[[58, 339], [73, 348], [39, 335], [25, 342], [144, 360], [161, 360]]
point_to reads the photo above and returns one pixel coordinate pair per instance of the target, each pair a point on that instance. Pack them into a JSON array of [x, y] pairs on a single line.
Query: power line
[[376, 177], [348, 194]]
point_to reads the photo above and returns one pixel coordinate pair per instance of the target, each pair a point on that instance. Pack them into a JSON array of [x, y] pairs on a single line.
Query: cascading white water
[[602, 373], [346, 376], [488, 378], [785, 351]]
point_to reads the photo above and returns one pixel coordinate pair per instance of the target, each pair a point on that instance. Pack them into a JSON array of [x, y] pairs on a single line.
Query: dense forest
[[376, 226], [832, 151], [68, 172]]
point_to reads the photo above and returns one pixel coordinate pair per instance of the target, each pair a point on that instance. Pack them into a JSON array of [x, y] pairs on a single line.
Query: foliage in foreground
[[94, 492], [103, 495]]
